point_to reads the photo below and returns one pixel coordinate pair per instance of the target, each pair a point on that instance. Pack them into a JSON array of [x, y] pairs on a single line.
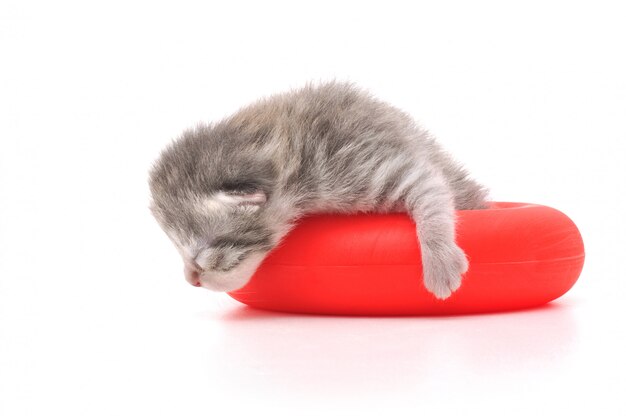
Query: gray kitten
[[228, 192]]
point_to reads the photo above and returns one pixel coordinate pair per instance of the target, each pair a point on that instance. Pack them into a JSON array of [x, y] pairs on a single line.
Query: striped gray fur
[[226, 193]]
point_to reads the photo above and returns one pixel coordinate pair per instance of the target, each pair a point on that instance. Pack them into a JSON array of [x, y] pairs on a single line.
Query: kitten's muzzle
[[192, 275]]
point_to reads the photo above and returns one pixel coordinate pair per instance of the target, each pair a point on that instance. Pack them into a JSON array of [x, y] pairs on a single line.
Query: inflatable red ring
[[521, 256]]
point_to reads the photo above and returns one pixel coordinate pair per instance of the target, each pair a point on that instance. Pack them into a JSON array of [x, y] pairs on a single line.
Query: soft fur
[[227, 193]]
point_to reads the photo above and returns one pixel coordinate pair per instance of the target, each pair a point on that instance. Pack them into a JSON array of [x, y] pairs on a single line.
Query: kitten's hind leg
[[430, 203]]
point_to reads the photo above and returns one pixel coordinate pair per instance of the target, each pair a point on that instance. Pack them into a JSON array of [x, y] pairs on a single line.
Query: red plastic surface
[[521, 256]]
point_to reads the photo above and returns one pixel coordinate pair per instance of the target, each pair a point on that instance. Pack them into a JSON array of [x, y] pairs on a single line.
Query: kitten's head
[[212, 202]]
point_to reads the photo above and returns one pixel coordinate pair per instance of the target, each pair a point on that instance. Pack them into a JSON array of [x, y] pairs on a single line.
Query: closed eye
[[238, 243]]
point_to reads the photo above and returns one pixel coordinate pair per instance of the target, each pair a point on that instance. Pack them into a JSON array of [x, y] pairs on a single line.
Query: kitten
[[227, 193]]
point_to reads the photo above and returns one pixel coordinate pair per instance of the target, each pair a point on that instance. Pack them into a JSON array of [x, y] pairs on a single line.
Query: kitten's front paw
[[443, 267]]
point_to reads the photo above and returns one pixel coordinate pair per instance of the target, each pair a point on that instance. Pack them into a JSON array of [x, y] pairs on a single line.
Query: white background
[[95, 316]]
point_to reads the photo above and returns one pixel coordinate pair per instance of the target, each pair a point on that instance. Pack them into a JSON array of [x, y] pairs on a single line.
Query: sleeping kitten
[[227, 193]]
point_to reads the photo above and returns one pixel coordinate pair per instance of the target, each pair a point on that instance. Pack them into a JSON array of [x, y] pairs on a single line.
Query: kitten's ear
[[244, 198]]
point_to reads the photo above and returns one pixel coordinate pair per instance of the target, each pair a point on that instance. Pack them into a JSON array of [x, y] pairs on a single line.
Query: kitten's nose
[[192, 276]]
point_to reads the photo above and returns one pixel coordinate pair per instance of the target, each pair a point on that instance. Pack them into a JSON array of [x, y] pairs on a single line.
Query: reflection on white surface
[[347, 355]]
